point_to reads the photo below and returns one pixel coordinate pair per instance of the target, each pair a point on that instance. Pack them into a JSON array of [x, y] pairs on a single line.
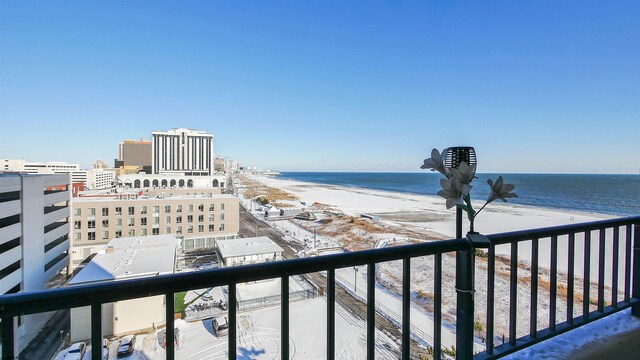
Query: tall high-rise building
[[133, 157], [182, 151], [34, 239]]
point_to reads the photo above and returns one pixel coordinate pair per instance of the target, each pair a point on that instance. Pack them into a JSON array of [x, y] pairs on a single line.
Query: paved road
[[250, 226], [47, 341]]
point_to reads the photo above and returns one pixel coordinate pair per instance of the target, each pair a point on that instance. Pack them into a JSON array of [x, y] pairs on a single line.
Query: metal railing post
[[464, 311], [635, 308], [170, 336], [96, 331], [8, 339]]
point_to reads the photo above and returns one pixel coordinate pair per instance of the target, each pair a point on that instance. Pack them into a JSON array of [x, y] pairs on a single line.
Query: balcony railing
[[625, 270]]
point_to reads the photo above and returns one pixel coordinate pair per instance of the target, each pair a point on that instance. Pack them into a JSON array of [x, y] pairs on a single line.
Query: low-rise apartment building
[[125, 258], [247, 251], [198, 219]]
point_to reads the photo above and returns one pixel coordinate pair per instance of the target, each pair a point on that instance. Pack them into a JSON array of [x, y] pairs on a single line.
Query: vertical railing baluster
[[627, 264], [406, 309], [284, 318], [331, 314], [371, 311], [513, 293], [601, 255], [437, 307], [491, 281], [570, 276], [170, 336], [586, 275], [635, 308], [615, 265], [553, 287], [8, 338], [533, 308], [233, 327], [96, 331], [464, 302]]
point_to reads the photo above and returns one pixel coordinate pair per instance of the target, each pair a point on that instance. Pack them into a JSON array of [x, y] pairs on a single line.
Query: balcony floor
[[613, 337]]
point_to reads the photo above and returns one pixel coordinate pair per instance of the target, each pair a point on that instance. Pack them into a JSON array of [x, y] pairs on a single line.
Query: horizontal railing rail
[[83, 295], [624, 231]]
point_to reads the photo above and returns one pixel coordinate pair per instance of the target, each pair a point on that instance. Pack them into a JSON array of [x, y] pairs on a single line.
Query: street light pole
[[355, 280]]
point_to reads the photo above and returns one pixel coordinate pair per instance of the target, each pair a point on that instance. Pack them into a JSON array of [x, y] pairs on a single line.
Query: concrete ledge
[[614, 337]]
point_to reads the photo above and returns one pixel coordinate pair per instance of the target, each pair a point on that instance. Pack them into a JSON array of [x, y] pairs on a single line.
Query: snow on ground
[[391, 305], [305, 236], [259, 335], [264, 288]]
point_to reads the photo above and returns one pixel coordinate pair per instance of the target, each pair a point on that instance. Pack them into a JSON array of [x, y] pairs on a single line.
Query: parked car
[[126, 346], [220, 326], [76, 351]]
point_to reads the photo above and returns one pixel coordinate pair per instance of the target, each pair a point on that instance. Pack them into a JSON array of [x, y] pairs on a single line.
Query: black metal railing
[[566, 236], [465, 249]]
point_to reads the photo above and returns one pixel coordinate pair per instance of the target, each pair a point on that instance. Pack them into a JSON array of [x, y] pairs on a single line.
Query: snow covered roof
[[247, 246], [130, 257]]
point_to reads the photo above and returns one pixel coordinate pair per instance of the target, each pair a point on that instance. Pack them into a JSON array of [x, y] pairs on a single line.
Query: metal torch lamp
[[452, 159]]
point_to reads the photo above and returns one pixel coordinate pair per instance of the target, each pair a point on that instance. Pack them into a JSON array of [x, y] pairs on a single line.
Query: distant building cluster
[[161, 198], [95, 178]]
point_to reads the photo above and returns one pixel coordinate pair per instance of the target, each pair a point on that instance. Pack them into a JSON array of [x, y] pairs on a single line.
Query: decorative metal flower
[[499, 190], [454, 191], [436, 162], [464, 173], [456, 186]]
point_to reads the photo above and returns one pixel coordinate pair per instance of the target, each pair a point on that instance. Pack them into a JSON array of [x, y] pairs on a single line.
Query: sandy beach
[[427, 212]]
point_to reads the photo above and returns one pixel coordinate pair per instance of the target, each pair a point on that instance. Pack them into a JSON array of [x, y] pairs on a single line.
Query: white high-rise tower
[[182, 151]]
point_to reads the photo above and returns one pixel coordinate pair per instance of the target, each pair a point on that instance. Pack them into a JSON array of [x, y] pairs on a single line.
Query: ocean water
[[605, 194]]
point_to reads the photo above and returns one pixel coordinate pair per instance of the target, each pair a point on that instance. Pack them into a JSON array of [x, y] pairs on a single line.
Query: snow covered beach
[[417, 218]]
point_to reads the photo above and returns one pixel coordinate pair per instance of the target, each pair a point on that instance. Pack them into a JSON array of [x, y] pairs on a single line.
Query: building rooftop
[[130, 257], [111, 197], [247, 246]]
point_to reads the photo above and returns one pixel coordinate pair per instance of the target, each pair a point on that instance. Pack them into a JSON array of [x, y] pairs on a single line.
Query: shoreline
[[547, 208], [535, 196], [428, 211]]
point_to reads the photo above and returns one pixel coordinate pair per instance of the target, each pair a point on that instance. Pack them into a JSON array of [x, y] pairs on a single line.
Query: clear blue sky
[[535, 86]]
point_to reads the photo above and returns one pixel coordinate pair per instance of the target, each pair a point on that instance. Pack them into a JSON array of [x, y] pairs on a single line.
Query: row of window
[[91, 224], [131, 210], [144, 232]]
